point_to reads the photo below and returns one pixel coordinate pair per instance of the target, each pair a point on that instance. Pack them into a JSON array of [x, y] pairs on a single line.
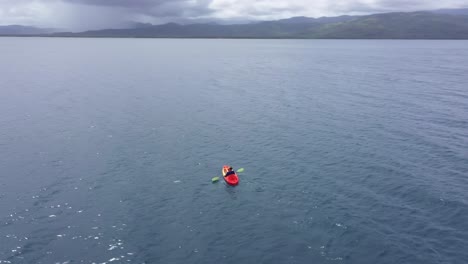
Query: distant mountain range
[[461, 11], [439, 24], [18, 30]]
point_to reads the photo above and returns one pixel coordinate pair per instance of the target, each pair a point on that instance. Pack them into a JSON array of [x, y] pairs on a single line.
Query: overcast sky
[[93, 14]]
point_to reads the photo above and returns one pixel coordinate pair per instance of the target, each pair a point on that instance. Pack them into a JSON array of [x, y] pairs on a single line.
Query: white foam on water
[[340, 225]]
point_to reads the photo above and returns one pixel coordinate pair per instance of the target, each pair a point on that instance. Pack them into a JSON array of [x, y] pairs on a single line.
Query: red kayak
[[231, 179]]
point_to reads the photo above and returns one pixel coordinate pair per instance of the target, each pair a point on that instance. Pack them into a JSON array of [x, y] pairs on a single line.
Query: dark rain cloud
[[96, 14], [160, 8]]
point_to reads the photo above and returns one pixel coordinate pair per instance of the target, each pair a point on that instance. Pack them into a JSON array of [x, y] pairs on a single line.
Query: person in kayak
[[229, 172]]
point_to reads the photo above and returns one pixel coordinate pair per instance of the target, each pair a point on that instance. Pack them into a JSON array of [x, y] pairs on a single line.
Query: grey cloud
[[359, 6], [181, 8], [161, 8], [120, 3], [99, 13], [254, 12]]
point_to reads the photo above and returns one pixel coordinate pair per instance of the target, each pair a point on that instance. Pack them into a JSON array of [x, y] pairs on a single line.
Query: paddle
[[216, 179]]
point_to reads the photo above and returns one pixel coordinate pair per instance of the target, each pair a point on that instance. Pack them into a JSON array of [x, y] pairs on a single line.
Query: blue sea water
[[355, 151]]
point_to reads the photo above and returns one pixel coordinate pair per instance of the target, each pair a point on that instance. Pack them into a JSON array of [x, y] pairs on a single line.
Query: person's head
[[230, 168]]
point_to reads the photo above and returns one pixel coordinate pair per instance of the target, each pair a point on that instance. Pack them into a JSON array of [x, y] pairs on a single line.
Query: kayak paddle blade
[[240, 170], [215, 179]]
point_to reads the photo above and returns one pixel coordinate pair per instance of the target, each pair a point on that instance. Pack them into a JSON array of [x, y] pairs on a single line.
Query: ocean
[[355, 151]]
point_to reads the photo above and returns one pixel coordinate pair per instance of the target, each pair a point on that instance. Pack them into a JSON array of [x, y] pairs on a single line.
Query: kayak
[[231, 179]]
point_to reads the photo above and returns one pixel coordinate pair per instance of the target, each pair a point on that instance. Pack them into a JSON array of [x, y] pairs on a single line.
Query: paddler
[[230, 171]]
